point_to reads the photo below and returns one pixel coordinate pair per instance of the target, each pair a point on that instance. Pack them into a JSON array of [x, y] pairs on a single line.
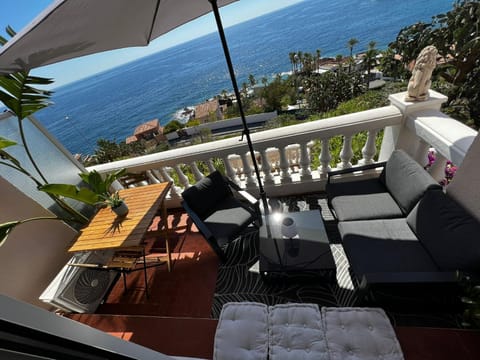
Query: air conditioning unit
[[81, 289]]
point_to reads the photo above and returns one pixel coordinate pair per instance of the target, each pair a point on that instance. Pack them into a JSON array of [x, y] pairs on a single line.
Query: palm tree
[[252, 80], [351, 43], [291, 56], [317, 59], [300, 58], [264, 83], [370, 59]]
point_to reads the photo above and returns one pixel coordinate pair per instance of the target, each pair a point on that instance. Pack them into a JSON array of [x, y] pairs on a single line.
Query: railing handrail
[[349, 124]]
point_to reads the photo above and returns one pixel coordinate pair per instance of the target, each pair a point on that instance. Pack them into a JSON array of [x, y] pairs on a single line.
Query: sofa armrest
[[333, 173], [410, 278]]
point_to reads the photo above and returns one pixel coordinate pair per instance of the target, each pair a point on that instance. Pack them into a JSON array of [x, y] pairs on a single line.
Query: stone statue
[[420, 82]]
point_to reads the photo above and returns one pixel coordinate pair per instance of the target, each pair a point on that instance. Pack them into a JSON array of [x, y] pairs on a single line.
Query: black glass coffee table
[[308, 251]]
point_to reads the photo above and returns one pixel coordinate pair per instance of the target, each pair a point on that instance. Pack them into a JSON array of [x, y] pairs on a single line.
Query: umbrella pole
[[246, 130]]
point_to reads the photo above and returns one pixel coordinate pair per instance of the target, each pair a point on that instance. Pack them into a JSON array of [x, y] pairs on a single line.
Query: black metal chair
[[220, 210]]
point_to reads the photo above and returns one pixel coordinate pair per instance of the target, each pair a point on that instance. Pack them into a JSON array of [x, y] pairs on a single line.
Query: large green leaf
[[71, 191], [6, 229], [18, 94], [4, 142], [98, 184]]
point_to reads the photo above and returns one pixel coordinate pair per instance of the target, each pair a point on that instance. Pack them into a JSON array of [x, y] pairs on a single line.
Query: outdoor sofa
[[402, 228]]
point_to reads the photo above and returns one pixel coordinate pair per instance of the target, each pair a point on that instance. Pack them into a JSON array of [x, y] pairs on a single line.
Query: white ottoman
[[295, 332], [242, 332], [360, 333]]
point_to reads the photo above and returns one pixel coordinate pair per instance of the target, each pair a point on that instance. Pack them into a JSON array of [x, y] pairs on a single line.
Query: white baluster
[[196, 172], [285, 177], [293, 155], [267, 170], [346, 153], [231, 172], [182, 177], [160, 176], [273, 158], [247, 171], [151, 177], [305, 173], [164, 174], [325, 158], [369, 149], [211, 165]]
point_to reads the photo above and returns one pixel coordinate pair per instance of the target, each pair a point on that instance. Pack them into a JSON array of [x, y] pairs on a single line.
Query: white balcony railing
[[285, 155]]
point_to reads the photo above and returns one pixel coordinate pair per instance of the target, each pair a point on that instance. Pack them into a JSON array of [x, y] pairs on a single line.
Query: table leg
[[165, 233], [145, 271]]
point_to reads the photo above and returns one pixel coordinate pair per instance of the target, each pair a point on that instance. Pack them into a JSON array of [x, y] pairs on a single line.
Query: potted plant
[[117, 204]]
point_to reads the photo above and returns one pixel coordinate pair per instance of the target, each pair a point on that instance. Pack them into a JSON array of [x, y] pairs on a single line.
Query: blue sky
[[18, 13]]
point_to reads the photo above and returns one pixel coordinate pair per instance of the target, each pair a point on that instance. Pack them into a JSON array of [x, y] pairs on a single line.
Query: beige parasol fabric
[[72, 28]]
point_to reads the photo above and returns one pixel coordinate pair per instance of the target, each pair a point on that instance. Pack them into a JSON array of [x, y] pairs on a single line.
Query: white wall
[[34, 252]]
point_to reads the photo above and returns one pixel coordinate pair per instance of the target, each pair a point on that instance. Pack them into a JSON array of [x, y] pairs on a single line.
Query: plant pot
[[121, 210]]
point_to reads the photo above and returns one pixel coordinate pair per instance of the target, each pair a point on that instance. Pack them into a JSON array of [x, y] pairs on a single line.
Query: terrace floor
[[179, 317]]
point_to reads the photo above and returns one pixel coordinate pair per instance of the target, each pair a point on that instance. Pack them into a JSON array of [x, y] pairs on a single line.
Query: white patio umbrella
[[73, 28]]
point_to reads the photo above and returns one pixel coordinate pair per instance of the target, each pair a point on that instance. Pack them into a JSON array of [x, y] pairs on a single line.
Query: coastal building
[[151, 130], [210, 110]]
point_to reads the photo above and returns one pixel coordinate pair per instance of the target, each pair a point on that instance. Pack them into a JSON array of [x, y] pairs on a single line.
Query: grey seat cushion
[[296, 332], [447, 231], [360, 333], [365, 207], [406, 180], [228, 220], [383, 246], [242, 332]]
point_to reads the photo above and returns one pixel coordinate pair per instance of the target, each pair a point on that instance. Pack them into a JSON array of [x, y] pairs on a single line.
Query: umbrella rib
[[153, 21]]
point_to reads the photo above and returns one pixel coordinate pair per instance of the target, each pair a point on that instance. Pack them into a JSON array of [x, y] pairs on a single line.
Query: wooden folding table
[[108, 231]]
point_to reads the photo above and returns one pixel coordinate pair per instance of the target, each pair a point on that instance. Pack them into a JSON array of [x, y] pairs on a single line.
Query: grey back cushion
[[448, 232], [406, 180], [204, 196]]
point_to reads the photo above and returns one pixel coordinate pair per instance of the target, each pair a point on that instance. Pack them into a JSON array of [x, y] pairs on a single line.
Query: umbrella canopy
[[68, 29]]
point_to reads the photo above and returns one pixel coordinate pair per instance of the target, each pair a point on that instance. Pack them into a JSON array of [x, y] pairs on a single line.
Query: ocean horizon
[[111, 104]]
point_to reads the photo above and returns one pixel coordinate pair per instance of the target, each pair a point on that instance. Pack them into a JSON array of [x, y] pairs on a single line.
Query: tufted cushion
[[360, 333], [242, 332], [295, 332], [205, 194]]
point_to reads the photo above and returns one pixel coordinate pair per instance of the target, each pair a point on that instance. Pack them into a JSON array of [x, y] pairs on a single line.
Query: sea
[[111, 104]]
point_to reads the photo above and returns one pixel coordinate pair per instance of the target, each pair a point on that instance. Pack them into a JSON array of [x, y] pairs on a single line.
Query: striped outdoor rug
[[239, 280]]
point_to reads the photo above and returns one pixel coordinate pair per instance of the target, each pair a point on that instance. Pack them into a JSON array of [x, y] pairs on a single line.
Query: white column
[[285, 177], [325, 158], [267, 170], [305, 173], [369, 149], [346, 153], [151, 177], [211, 165], [247, 171], [174, 190], [231, 173], [182, 177], [196, 172]]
